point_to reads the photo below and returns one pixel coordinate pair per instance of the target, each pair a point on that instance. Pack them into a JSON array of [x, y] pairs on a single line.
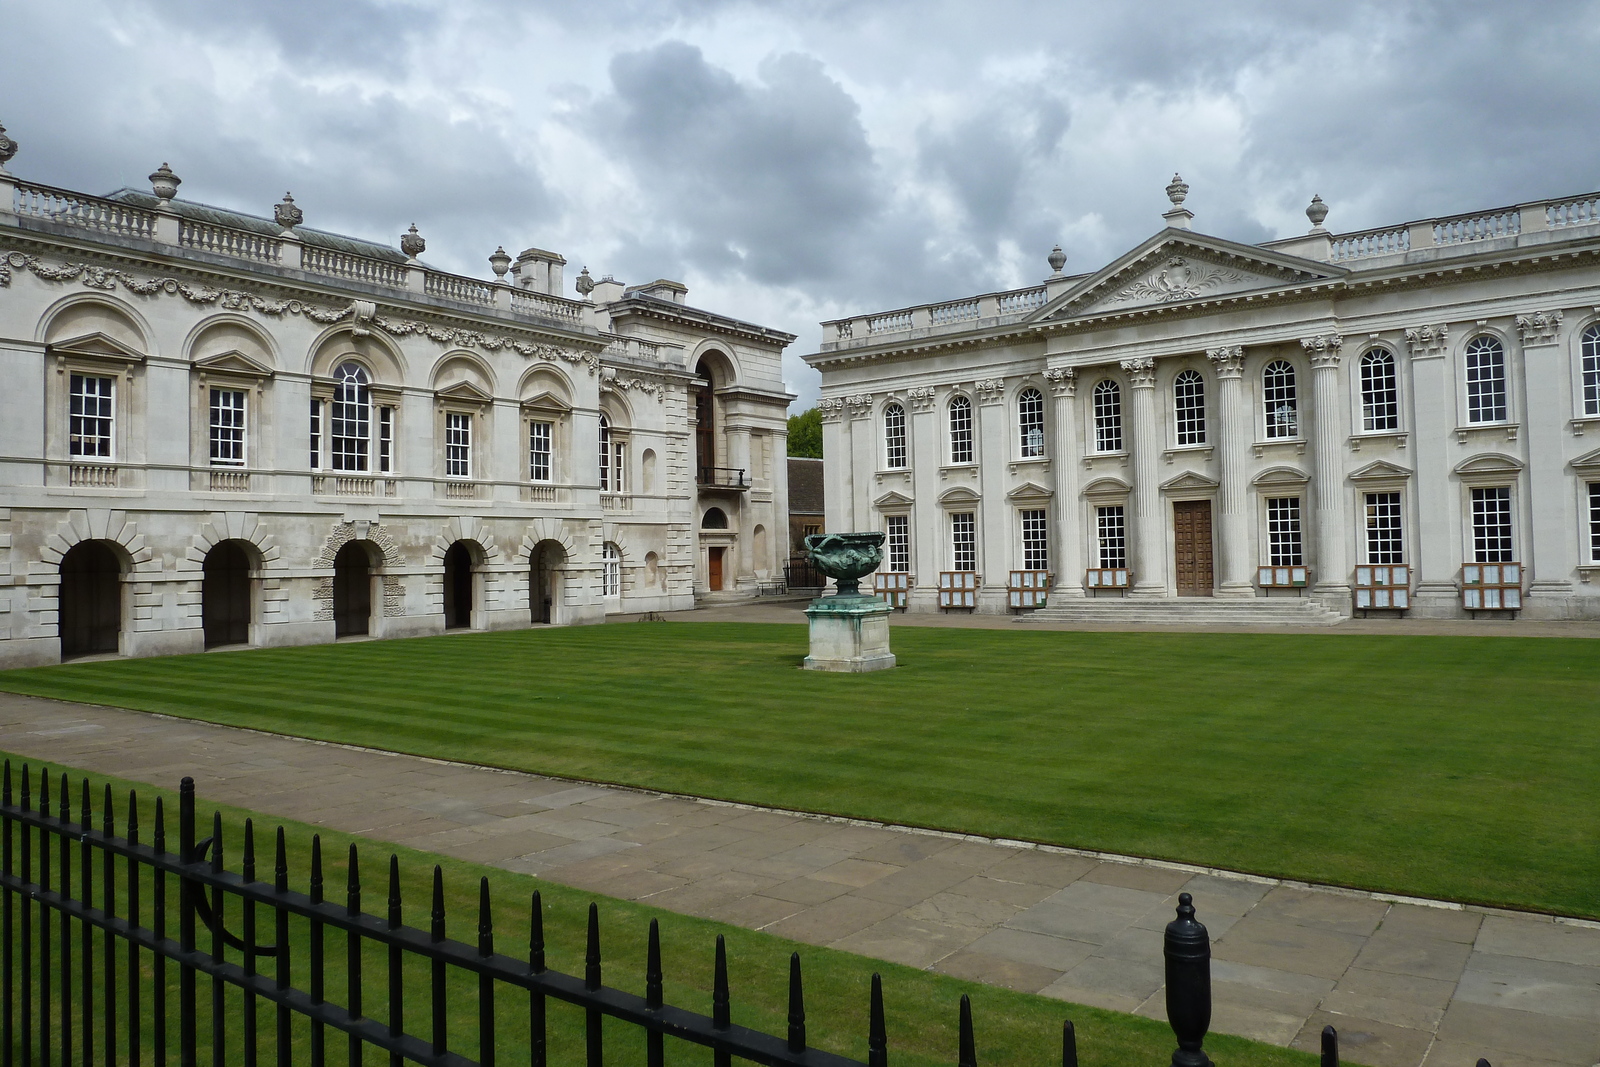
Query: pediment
[[1588, 463], [1189, 481], [1380, 471], [1108, 486], [233, 361], [1030, 491], [892, 500], [1178, 267], [1281, 476], [1490, 463], [465, 393], [546, 401], [97, 346], [958, 494]]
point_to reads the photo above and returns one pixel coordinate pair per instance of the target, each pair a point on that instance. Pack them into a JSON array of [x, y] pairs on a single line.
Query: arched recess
[[457, 368], [715, 371], [460, 577], [549, 551], [714, 519], [383, 360], [231, 335], [90, 314], [473, 587], [353, 579], [89, 601], [227, 593], [385, 594]]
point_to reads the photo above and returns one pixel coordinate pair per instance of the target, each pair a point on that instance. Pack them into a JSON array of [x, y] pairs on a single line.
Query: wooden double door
[[1192, 553]]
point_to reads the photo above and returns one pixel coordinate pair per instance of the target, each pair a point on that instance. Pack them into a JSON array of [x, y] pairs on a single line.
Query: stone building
[[219, 428], [1395, 419]]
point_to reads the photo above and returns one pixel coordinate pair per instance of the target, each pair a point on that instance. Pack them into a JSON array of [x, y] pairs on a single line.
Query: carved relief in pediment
[[1185, 278]]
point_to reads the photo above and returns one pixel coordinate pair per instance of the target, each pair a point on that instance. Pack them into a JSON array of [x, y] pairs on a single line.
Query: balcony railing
[[86, 212], [722, 478]]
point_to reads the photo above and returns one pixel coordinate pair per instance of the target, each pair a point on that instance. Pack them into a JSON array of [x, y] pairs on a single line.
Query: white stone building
[[1402, 417], [218, 428]]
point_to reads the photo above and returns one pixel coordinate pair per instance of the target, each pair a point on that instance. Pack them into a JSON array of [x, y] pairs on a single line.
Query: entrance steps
[[1186, 611]]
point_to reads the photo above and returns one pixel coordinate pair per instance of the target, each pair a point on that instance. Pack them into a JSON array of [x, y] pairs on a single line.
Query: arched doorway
[[90, 599], [225, 595], [544, 580], [705, 422], [352, 591], [458, 587]]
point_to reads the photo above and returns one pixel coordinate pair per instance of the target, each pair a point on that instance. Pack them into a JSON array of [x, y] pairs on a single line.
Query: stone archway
[[458, 582], [90, 599], [226, 594], [352, 590], [545, 560]]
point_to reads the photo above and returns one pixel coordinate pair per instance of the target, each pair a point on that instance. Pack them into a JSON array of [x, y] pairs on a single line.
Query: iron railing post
[[1188, 956], [186, 925]]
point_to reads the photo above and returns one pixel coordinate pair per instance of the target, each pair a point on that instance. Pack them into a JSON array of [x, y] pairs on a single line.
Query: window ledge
[[1588, 572], [1041, 462], [1398, 438], [1259, 449], [1509, 429], [1205, 452], [1121, 456], [1584, 423], [949, 470]]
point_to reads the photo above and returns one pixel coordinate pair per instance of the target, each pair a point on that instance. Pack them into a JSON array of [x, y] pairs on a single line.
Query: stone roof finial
[[500, 263], [8, 148], [1316, 213], [1057, 259], [584, 284], [286, 214], [164, 183], [1177, 191], [412, 244]]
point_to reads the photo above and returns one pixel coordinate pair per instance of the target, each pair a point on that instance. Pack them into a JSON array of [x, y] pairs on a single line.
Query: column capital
[[1323, 349], [1141, 372], [1228, 360], [1063, 381], [830, 408], [1539, 327], [1427, 341], [990, 390], [860, 405], [921, 397]]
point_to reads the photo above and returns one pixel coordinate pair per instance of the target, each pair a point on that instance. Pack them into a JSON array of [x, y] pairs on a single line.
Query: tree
[[805, 434]]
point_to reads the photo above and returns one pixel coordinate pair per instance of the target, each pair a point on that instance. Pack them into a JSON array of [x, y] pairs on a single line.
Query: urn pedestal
[[849, 631]]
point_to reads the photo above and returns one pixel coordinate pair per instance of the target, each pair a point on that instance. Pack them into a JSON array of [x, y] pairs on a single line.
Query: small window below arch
[[714, 519], [611, 570]]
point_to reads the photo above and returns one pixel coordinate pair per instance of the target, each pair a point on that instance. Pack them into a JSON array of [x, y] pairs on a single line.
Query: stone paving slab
[[1407, 984]]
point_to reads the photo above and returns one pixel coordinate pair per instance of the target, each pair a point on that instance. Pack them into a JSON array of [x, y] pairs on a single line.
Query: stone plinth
[[849, 633]]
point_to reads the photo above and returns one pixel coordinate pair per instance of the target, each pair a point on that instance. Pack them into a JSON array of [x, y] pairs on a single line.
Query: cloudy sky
[[794, 162]]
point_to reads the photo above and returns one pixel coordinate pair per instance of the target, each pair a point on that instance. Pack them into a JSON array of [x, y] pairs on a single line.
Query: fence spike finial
[[158, 833], [352, 883], [394, 891], [5, 786], [1330, 1047], [485, 921], [438, 903], [536, 933], [316, 868], [44, 792], [1069, 1044], [85, 811], [108, 822], [877, 1032], [280, 865], [652, 967], [133, 816], [591, 958], [66, 798], [216, 841], [968, 1056], [1483, 1062], [1187, 951], [797, 1006], [248, 859], [720, 1014]]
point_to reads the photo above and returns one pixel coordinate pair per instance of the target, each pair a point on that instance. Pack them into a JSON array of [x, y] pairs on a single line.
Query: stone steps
[[1186, 611]]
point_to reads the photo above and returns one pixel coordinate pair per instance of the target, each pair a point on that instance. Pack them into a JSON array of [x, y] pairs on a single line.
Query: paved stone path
[[1405, 984]]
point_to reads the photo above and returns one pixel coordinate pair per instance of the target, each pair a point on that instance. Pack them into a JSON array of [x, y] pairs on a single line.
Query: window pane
[[90, 406], [1591, 370], [227, 427], [1278, 395], [1380, 394], [385, 439], [611, 570], [605, 454], [1030, 423], [457, 445], [1112, 530], [894, 437], [1107, 417], [539, 451], [898, 542], [1189, 403], [1283, 532], [1035, 540], [1491, 525], [1385, 538], [1594, 522], [350, 423], [963, 542], [960, 430], [316, 434], [1486, 380]]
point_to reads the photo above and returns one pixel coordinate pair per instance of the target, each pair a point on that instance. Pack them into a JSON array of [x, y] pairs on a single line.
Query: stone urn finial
[[164, 183], [8, 148], [286, 214], [584, 284], [500, 263], [1177, 189], [1057, 259], [1316, 212], [411, 242]]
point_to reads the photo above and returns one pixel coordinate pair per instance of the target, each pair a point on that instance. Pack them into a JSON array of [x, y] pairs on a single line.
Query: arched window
[[1030, 422], [611, 459], [960, 430], [1486, 380], [1591, 370], [1107, 416], [611, 570], [351, 423], [714, 519], [1380, 393], [894, 437], [1279, 398], [1189, 405]]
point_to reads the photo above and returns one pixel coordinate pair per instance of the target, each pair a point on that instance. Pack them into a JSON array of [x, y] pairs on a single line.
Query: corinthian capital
[[1141, 372], [1323, 349], [1063, 380], [1228, 360]]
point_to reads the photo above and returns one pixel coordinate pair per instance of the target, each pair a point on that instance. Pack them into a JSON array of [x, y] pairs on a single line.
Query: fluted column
[[1233, 434], [1327, 429], [1149, 517], [1067, 560]]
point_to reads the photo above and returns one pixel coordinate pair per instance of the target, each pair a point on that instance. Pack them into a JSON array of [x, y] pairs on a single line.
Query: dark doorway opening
[[352, 591], [225, 595], [91, 599], [714, 569], [457, 587], [542, 563]]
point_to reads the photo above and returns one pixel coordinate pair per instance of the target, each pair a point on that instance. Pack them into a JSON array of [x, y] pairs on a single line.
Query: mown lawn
[[1450, 767], [920, 1006]]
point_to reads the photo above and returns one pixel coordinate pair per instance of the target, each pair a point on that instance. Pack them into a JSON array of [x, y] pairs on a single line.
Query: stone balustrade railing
[[100, 215], [995, 307], [1385, 242]]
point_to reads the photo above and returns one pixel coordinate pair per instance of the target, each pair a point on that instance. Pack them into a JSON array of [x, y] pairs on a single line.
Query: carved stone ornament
[[830, 409], [499, 262], [1425, 341], [1141, 372], [1323, 349], [164, 183], [584, 284], [108, 278], [610, 377], [411, 242], [1177, 190], [1317, 212], [860, 405], [8, 148], [1228, 360], [921, 397], [1063, 380], [990, 390], [1179, 279], [1539, 327], [286, 214], [1057, 259]]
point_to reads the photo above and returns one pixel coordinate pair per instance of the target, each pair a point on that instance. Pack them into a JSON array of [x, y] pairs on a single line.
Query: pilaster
[[1149, 514], [1233, 494], [994, 451], [1332, 559], [1067, 560], [1434, 546], [1551, 510]]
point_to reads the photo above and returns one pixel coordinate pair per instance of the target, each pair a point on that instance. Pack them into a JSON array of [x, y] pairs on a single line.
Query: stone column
[[1233, 434], [1328, 432], [927, 536], [1433, 546], [863, 458], [839, 489], [1550, 553], [1067, 558], [1149, 516], [995, 552]]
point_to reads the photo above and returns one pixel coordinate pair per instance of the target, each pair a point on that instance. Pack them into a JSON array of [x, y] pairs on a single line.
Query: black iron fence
[[94, 984], [801, 573]]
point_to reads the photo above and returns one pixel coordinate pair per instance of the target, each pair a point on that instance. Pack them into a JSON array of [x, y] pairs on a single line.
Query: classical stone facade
[[1405, 417], [218, 428]]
